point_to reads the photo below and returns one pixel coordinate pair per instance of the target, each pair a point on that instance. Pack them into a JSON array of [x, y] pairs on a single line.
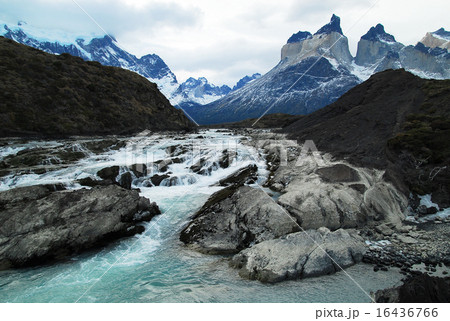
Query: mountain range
[[106, 50], [316, 69]]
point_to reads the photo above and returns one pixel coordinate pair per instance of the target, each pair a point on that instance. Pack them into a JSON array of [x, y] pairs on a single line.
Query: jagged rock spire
[[333, 26]]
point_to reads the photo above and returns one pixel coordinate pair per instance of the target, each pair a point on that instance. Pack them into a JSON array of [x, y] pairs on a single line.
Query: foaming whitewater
[[155, 266]]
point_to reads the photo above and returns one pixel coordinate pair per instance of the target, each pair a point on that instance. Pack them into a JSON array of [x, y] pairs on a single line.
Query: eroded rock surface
[[300, 255]]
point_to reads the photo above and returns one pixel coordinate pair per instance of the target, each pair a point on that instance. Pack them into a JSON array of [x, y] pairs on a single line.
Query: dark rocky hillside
[[47, 95], [394, 121]]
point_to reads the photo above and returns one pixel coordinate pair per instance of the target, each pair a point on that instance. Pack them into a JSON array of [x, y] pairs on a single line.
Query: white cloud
[[225, 40]]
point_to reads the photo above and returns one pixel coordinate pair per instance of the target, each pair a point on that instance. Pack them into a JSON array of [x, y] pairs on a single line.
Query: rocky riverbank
[[409, 245], [320, 197]]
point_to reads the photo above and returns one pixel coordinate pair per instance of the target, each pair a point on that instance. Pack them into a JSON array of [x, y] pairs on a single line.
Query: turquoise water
[[156, 267]]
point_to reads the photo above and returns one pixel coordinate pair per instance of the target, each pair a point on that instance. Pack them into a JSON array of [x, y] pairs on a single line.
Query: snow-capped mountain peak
[[299, 36], [377, 33], [442, 34], [437, 39], [63, 37], [377, 50], [246, 80], [197, 91], [328, 42], [333, 26], [429, 58]]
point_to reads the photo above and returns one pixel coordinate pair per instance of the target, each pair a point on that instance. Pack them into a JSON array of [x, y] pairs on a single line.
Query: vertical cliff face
[[331, 45], [375, 45]]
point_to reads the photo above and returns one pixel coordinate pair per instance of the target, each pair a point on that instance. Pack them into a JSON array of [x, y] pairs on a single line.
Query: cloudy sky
[[225, 40]]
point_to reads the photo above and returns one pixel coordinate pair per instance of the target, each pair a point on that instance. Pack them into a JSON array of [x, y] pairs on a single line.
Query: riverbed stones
[[37, 225], [300, 255], [407, 239], [234, 218]]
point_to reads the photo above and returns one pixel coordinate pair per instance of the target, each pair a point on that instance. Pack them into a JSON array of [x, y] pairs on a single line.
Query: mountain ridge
[[50, 95]]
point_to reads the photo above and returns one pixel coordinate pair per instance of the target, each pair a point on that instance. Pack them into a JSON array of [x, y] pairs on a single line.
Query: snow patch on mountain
[[46, 35], [442, 34], [246, 80], [199, 91]]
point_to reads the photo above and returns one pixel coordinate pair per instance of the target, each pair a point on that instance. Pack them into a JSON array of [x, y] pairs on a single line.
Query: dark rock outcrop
[[112, 175], [233, 218], [38, 226], [48, 95], [333, 26], [420, 288], [90, 182], [377, 33]]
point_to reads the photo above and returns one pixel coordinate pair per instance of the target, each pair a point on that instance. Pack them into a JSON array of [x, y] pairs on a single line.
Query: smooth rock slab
[[38, 226], [338, 173], [300, 255]]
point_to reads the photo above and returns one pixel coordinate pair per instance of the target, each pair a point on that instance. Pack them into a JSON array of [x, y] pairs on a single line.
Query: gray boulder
[[38, 226], [241, 176], [110, 173], [300, 255], [233, 219]]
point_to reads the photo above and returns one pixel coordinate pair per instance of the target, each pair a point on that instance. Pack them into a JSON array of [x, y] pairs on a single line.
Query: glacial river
[[155, 266]]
